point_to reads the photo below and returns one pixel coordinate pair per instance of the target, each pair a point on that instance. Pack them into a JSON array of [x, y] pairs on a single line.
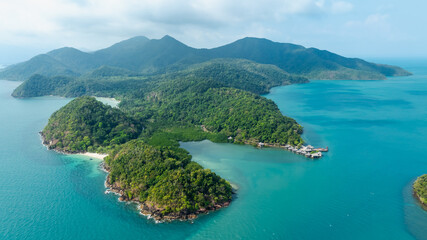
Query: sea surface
[[361, 189]]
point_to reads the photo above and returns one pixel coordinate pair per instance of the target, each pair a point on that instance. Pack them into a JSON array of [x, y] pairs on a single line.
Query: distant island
[[420, 190], [168, 93]]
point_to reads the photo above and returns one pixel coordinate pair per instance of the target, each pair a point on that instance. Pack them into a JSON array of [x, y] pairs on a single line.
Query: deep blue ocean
[[376, 132]]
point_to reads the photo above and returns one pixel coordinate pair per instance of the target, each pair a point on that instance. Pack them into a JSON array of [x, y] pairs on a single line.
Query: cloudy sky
[[363, 28]]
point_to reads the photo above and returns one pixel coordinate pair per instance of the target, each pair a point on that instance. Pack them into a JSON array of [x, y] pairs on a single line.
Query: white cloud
[[93, 24], [96, 22], [374, 21], [341, 7], [377, 20]]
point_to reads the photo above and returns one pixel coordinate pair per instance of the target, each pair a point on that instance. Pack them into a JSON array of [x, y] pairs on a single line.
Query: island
[[162, 179], [171, 93], [420, 190]]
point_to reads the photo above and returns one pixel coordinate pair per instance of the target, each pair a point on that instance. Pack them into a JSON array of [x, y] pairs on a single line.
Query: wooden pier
[[307, 151]]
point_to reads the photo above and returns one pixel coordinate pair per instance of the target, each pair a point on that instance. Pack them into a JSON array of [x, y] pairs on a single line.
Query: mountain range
[[143, 56]]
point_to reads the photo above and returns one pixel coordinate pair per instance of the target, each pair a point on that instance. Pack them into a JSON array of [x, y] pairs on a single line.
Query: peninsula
[[168, 93], [162, 179]]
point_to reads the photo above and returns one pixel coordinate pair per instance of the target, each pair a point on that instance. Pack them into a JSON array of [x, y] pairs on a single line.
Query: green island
[[420, 190], [165, 181], [169, 93]]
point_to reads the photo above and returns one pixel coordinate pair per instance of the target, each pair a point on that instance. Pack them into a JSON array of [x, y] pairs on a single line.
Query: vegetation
[[172, 135], [166, 178], [169, 93], [86, 124], [39, 85], [144, 56], [189, 105], [41, 64], [216, 100], [420, 189], [226, 112], [108, 81]]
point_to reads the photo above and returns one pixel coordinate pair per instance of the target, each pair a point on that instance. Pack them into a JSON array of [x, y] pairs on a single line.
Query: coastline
[[100, 156], [416, 187], [92, 155], [152, 210], [148, 209], [418, 199], [307, 151]]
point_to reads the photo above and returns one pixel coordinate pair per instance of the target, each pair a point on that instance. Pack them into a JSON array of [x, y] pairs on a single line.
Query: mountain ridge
[[154, 56], [115, 82]]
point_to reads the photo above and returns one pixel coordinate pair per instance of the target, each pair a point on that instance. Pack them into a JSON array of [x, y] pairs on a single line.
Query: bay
[[361, 189]]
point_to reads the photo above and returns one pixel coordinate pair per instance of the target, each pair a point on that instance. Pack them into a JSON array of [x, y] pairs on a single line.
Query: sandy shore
[[93, 155], [109, 101]]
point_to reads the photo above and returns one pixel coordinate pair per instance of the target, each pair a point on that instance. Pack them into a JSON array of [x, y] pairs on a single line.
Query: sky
[[363, 28]]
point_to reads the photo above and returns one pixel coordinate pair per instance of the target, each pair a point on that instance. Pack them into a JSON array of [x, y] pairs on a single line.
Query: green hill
[[165, 181], [86, 124], [118, 82], [246, 117], [41, 64], [39, 85], [238, 73], [145, 56], [310, 62], [75, 59]]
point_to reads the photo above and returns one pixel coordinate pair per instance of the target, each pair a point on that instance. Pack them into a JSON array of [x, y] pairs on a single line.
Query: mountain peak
[[167, 37], [126, 45], [169, 41], [264, 41], [63, 50], [138, 38]]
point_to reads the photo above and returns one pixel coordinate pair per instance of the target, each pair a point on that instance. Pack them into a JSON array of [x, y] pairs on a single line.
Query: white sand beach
[[94, 155], [109, 101]]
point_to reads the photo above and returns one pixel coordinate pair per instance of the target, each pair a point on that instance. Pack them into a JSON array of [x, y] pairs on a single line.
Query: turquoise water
[[376, 132]]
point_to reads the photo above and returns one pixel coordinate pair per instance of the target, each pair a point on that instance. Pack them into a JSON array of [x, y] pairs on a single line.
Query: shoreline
[[99, 156], [418, 199], [307, 151], [415, 192], [148, 209]]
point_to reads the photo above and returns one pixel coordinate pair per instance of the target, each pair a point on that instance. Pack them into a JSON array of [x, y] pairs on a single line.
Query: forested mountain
[[145, 56], [118, 82], [309, 62], [41, 64]]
